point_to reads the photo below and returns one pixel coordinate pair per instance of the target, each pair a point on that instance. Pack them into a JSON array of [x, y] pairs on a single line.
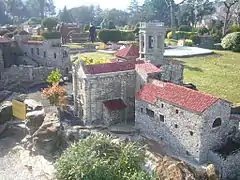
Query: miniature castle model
[[147, 92]]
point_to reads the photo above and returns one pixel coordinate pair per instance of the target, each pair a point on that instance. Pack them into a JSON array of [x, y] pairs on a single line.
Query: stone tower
[[151, 42]]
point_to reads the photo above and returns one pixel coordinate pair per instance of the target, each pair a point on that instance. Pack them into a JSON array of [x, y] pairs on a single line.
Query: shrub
[[184, 35], [86, 28], [195, 39], [37, 38], [217, 37], [203, 30], [127, 36], [235, 28], [49, 23], [111, 35], [185, 28], [169, 35], [98, 157], [33, 21], [188, 42], [51, 35], [231, 41]]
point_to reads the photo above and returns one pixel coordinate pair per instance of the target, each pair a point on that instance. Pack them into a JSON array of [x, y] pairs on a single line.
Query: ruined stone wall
[[179, 131], [108, 86], [1, 61], [228, 167], [214, 137], [22, 77]]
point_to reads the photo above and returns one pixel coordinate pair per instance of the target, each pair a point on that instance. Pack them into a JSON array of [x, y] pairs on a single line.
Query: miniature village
[[140, 91]]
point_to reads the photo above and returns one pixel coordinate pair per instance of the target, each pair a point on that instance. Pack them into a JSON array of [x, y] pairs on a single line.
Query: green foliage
[[180, 35], [86, 27], [127, 36], [217, 37], [91, 60], [235, 28], [51, 35], [203, 30], [185, 28], [37, 38], [50, 23], [171, 42], [170, 35], [111, 25], [109, 35], [98, 157], [232, 41], [188, 42], [54, 77], [195, 39], [33, 21]]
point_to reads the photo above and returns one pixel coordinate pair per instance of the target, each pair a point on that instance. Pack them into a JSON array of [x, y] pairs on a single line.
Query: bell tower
[[151, 42]]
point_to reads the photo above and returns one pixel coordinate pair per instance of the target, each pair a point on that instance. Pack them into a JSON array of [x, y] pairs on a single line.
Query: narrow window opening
[[217, 123], [37, 51], [141, 110], [191, 133], [161, 118], [32, 51], [44, 54], [161, 138], [55, 55], [142, 55], [187, 153], [150, 42], [162, 105], [177, 111], [176, 126], [150, 113]]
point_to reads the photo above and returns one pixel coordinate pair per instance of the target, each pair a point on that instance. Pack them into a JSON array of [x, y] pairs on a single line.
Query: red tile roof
[[114, 104], [111, 67], [177, 95], [129, 52], [147, 68], [4, 40]]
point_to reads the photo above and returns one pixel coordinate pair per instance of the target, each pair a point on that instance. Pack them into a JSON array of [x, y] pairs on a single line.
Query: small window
[[141, 110], [150, 42], [37, 51], [142, 55], [162, 105], [217, 123], [32, 51], [55, 55], [177, 111], [191, 133], [161, 118], [176, 126], [161, 138], [187, 153], [150, 112], [44, 54]]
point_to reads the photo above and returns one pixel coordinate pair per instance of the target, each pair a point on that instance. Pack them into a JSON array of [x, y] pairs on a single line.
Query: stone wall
[[1, 61], [172, 72], [228, 167], [178, 129], [96, 89], [19, 78], [214, 137]]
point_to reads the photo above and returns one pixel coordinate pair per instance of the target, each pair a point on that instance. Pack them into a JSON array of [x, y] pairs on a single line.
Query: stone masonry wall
[[214, 138], [1, 61], [179, 131], [108, 86], [19, 78], [228, 167], [172, 72]]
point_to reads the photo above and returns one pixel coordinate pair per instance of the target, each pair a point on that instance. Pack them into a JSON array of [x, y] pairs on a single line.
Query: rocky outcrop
[[48, 138], [33, 105], [211, 172], [34, 120], [5, 112], [4, 94], [171, 169], [75, 133]]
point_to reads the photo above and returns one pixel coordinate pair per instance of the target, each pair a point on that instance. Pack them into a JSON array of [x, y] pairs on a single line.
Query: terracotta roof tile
[[114, 104], [111, 67], [178, 95], [129, 52], [147, 68]]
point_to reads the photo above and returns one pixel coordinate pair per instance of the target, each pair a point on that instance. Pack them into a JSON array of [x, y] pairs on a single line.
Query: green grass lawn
[[217, 74]]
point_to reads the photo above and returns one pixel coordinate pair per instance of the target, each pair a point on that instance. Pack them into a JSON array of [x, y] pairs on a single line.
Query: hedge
[[51, 35], [109, 35], [181, 35], [127, 36], [37, 38], [232, 42], [185, 28]]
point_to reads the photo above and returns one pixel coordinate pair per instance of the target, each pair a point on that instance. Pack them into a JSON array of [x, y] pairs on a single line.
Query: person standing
[[92, 31]]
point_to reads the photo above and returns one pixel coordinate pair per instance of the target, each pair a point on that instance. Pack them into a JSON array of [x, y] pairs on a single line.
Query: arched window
[[217, 123]]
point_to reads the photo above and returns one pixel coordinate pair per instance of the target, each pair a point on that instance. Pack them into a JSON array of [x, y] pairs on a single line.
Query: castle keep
[[148, 93]]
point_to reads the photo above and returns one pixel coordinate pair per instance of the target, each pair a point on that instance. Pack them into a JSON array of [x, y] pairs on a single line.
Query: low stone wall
[[20, 77], [228, 166]]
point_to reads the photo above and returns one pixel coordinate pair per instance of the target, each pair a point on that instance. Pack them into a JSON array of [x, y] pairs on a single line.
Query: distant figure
[[92, 31], [64, 32]]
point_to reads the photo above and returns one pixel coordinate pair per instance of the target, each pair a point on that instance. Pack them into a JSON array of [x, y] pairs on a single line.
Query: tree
[[228, 4], [54, 77], [83, 14], [99, 157], [50, 23], [65, 16], [134, 12]]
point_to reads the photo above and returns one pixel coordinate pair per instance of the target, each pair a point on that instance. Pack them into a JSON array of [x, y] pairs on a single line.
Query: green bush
[[231, 41], [203, 30], [98, 157], [127, 36], [50, 23], [235, 28], [86, 28], [217, 37], [195, 39], [33, 21], [184, 35], [169, 35], [188, 42], [51, 35], [185, 28], [109, 35], [37, 38]]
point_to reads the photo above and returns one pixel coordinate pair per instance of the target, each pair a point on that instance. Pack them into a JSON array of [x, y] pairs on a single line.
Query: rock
[[4, 94], [21, 97], [5, 112], [33, 105], [3, 127], [34, 120], [76, 133], [170, 169], [48, 138], [190, 86], [211, 172]]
